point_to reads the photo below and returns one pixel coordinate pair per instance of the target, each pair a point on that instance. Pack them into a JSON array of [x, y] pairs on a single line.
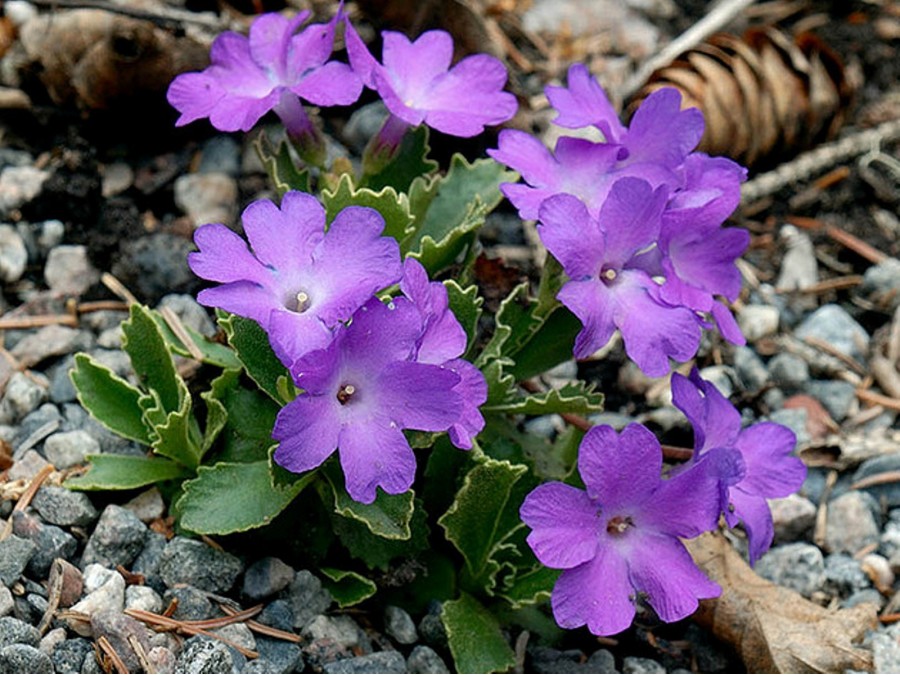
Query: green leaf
[[578, 398], [251, 344], [178, 438], [376, 551], [550, 342], [216, 412], [529, 587], [476, 641], [151, 359], [280, 166], [247, 435], [234, 497], [388, 516], [410, 162], [477, 523], [466, 306], [109, 399], [214, 353], [456, 208], [125, 472], [393, 207], [347, 588]]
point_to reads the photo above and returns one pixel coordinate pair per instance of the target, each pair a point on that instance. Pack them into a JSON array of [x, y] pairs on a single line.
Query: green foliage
[[347, 588], [466, 305], [234, 497], [109, 399], [375, 551], [393, 207], [280, 166], [575, 397], [125, 472], [398, 172], [475, 638], [151, 360], [389, 516], [251, 345]]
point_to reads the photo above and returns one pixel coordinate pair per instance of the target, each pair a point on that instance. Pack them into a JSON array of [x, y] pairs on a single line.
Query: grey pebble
[[399, 625], [148, 560], [202, 655], [189, 561], [221, 154], [19, 185], [363, 124], [266, 577], [24, 659], [338, 630], [143, 598], [750, 369], [13, 254], [795, 420], [886, 653], [865, 596], [758, 321], [13, 631], [69, 270], [68, 656], [798, 566], [60, 506], [793, 518], [52, 542], [117, 538], [277, 614], [789, 372], [887, 493], [155, 264], [193, 604], [120, 630], [163, 659], [881, 284], [24, 393], [191, 313], [431, 627], [15, 553], [66, 449], [207, 197], [285, 657], [851, 524], [423, 659], [308, 598], [833, 325], [838, 397], [6, 601], [844, 575], [637, 664], [379, 662]]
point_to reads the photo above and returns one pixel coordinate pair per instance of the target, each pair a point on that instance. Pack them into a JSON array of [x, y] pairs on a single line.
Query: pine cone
[[764, 96]]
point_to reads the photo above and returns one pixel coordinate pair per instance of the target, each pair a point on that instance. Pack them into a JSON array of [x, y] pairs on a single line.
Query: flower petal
[[597, 593], [334, 83], [754, 513], [660, 132], [419, 396], [412, 66], [564, 525], [294, 335], [373, 455], [472, 388], [224, 257], [307, 430], [572, 236], [630, 219], [620, 469], [661, 567], [716, 422], [283, 238], [194, 95], [594, 306], [771, 469], [584, 103], [243, 298]]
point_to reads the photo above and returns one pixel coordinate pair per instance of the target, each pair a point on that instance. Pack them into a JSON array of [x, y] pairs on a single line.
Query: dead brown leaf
[[773, 629], [819, 423]]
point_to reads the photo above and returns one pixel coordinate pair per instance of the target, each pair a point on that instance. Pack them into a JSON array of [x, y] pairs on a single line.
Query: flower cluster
[[618, 540], [366, 370], [636, 222]]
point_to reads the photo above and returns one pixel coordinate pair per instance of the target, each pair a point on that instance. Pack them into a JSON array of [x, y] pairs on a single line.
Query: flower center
[[608, 275], [303, 302], [345, 393], [617, 525]]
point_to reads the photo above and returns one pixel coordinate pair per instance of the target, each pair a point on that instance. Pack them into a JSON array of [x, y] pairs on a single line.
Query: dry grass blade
[[160, 622], [263, 629], [112, 655]]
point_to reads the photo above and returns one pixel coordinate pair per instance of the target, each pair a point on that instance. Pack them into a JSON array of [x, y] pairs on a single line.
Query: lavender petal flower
[[619, 538], [299, 281]]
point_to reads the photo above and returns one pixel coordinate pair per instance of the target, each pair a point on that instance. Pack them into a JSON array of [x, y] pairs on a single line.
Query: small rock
[[221, 154], [277, 614], [423, 659], [887, 493], [191, 313], [188, 561], [6, 601], [66, 449], [722, 377], [51, 341], [59, 506], [143, 598], [636, 664], [307, 597], [15, 553], [50, 234], [886, 653], [155, 264], [879, 571], [750, 369], [851, 524], [266, 577], [202, 655], [19, 185], [13, 631], [399, 625], [51, 542], [238, 634], [120, 630], [24, 659], [838, 397], [285, 657], [117, 539], [163, 659], [147, 506], [793, 517], [52, 640], [109, 595], [379, 662], [799, 268], [789, 372], [207, 197], [881, 286], [13, 254], [23, 394], [69, 270], [844, 576], [363, 124], [797, 566], [794, 419], [758, 321], [69, 655], [147, 562], [833, 325], [340, 630], [193, 604], [431, 627]]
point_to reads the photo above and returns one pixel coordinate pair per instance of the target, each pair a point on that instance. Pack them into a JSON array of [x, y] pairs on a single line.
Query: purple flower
[[610, 264], [300, 281], [273, 69], [418, 85], [619, 540], [654, 148], [359, 393], [442, 342], [766, 447]]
